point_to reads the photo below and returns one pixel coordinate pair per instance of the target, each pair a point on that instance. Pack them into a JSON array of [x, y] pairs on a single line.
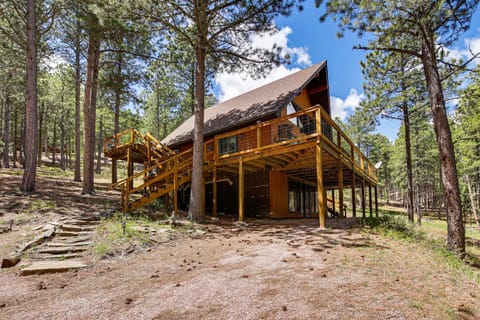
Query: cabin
[[272, 152]]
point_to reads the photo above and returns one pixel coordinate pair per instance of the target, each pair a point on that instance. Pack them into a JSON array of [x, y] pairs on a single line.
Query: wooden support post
[[129, 184], [340, 188], [370, 207], [376, 201], [354, 195], [240, 190], [333, 200], [175, 191], [214, 187], [322, 204], [363, 198], [259, 136], [114, 169]]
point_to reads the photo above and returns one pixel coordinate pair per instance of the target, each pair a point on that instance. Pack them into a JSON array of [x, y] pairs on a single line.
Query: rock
[[242, 224], [10, 262], [140, 229], [52, 267], [196, 233]]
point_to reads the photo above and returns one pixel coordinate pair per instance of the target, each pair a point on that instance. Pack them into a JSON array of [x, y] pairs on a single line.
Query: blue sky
[[308, 42]]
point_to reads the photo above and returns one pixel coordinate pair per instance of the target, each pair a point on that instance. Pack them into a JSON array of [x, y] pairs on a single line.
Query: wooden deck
[[308, 146]]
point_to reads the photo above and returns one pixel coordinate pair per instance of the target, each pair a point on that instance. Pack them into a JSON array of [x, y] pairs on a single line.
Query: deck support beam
[[340, 188], [376, 201], [214, 187], [322, 204], [363, 197], [370, 207], [241, 189], [354, 196], [333, 201], [175, 191]]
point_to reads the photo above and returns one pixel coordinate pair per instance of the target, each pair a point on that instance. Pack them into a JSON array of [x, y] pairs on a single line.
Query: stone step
[[42, 267], [74, 228], [60, 250], [69, 244], [57, 256], [74, 239], [62, 233], [80, 222]]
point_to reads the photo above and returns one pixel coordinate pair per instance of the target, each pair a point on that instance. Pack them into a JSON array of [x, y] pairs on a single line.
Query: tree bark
[[63, 160], [54, 142], [15, 138], [31, 141], [6, 133], [40, 135], [455, 228], [116, 120], [90, 106], [78, 82], [408, 155], [98, 169], [196, 210]]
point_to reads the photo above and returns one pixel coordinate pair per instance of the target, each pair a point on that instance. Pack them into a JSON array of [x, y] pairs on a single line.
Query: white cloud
[[341, 107], [472, 47], [233, 84]]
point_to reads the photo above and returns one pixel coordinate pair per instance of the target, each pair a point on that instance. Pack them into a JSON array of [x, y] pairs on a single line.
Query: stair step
[[62, 233], [67, 227], [61, 250], [57, 256], [52, 267], [74, 239], [69, 244]]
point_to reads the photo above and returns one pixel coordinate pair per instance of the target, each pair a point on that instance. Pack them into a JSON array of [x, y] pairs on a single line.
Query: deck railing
[[293, 129]]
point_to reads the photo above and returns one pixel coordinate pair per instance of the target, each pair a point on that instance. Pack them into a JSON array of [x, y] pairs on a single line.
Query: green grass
[[111, 238], [432, 235]]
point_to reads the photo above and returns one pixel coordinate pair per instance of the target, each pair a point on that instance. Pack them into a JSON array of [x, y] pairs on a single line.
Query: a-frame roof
[[248, 107]]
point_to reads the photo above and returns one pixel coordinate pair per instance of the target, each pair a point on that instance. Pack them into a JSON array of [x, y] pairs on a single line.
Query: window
[[290, 110], [294, 197], [228, 145]]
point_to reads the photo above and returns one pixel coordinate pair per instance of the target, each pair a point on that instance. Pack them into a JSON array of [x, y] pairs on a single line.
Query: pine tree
[[423, 27], [217, 32]]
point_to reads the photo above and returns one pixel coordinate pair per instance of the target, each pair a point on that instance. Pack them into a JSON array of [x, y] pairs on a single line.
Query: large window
[[228, 145]]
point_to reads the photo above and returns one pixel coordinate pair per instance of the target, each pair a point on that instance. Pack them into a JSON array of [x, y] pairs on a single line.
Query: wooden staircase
[[164, 169]]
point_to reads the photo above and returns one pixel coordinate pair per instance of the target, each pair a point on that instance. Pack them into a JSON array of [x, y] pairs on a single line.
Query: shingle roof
[[247, 107]]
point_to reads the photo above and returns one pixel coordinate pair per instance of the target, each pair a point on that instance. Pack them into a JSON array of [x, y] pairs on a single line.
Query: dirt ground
[[286, 269]]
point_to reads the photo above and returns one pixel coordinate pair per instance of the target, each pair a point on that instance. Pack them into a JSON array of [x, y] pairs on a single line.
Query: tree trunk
[[54, 141], [455, 228], [196, 209], [98, 169], [63, 160], [31, 141], [90, 105], [40, 136], [157, 113], [78, 82], [472, 201], [408, 155], [6, 133], [15, 138], [116, 120]]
